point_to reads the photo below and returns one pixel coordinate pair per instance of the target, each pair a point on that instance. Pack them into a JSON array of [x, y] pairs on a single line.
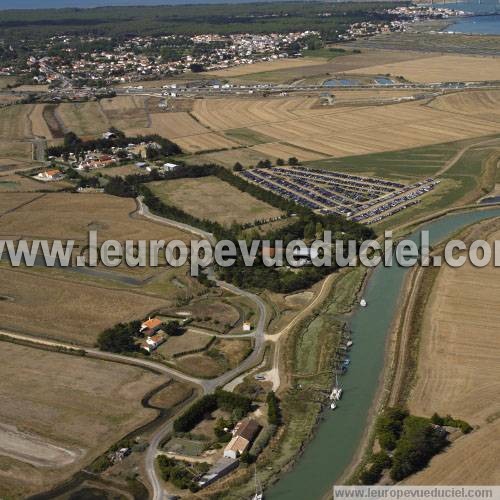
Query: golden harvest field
[[39, 126], [281, 127], [15, 122], [481, 103], [458, 372], [11, 201], [443, 68], [74, 408], [458, 369], [126, 112], [340, 131], [86, 302], [71, 216], [85, 119], [72, 311], [211, 198]]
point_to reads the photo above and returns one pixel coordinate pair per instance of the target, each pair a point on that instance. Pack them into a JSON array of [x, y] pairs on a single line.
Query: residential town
[[61, 64]]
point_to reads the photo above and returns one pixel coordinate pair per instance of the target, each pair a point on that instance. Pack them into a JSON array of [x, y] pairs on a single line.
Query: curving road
[[107, 356], [207, 385]]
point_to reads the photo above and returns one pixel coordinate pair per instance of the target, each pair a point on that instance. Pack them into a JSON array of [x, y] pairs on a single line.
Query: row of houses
[[127, 62]]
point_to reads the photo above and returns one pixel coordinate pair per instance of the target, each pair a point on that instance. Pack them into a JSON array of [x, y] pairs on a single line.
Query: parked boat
[[363, 303], [349, 344], [333, 405], [336, 393]]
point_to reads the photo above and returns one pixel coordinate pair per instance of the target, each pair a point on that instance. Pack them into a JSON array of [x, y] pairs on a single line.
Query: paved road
[[109, 356], [279, 88], [208, 385]]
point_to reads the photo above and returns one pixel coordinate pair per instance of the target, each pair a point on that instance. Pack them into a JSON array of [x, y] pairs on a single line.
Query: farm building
[[151, 326], [244, 433], [169, 167], [247, 429], [155, 340], [236, 447], [219, 469], [50, 175]]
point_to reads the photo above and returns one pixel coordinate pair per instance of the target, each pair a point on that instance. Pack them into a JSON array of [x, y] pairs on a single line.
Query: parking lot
[[361, 199]]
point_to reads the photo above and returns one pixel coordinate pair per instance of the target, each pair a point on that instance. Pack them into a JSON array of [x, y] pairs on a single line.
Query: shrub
[[389, 427], [120, 338], [464, 426], [273, 409]]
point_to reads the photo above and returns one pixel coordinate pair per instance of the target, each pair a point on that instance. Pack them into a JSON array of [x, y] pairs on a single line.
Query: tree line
[[224, 400]]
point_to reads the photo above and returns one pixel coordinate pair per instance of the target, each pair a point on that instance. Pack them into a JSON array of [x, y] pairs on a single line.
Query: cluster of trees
[[118, 186], [207, 404], [389, 427], [419, 442], [173, 329], [83, 182], [281, 280], [407, 442], [77, 146], [119, 22], [120, 338], [373, 472], [273, 409], [177, 472], [238, 167]]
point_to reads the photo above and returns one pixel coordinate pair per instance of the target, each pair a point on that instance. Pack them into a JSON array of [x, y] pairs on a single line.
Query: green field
[[247, 137], [473, 176], [325, 53], [406, 165]]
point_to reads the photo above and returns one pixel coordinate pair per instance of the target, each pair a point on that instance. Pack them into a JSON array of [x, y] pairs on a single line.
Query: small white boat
[[333, 406], [363, 303], [349, 344], [336, 393]]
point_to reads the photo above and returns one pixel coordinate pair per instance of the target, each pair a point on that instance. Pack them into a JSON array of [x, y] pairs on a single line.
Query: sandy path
[[34, 449]]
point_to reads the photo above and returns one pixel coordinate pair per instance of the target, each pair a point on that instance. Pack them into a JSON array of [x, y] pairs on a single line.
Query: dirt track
[[34, 449]]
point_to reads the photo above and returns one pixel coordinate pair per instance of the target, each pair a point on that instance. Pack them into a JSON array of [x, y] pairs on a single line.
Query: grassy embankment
[[307, 357]]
